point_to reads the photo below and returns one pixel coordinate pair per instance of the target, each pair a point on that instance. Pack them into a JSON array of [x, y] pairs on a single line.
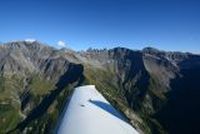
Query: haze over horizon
[[168, 25]]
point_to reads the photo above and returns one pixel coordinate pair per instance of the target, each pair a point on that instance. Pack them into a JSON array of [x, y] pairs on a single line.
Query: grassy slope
[[11, 89], [9, 117]]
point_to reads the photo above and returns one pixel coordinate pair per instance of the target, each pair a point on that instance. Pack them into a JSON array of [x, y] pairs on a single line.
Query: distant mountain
[[157, 91]]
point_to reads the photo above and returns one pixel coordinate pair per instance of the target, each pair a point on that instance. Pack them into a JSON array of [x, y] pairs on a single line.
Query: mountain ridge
[[142, 84]]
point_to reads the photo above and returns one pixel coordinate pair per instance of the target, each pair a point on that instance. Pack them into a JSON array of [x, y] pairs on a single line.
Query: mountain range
[[157, 91]]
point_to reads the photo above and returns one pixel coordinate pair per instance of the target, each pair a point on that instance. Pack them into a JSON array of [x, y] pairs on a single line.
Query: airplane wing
[[88, 112]]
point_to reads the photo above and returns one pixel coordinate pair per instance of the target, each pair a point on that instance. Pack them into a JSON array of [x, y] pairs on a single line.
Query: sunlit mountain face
[[157, 91]]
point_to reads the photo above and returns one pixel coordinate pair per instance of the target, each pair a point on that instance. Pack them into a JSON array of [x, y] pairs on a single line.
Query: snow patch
[[30, 40]]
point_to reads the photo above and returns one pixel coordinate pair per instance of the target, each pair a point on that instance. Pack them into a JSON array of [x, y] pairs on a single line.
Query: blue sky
[[164, 24]]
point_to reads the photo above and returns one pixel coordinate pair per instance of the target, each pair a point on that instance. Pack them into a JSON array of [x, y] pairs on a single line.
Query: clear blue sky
[[164, 24]]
